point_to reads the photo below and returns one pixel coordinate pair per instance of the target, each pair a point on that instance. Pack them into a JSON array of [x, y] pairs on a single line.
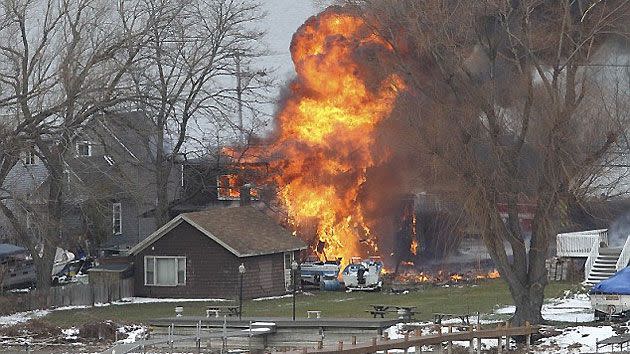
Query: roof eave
[[274, 251], [155, 236]]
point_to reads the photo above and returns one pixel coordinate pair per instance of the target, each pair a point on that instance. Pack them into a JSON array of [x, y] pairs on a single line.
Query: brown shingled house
[[198, 255]]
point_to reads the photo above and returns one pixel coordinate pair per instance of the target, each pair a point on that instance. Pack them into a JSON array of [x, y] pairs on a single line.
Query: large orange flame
[[326, 129]]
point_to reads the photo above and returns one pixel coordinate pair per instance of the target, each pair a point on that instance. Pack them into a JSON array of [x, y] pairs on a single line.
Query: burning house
[[328, 167], [223, 181]]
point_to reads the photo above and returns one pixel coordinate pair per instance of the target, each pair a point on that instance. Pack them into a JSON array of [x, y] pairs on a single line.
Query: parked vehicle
[[72, 271], [317, 273], [363, 274], [16, 267]]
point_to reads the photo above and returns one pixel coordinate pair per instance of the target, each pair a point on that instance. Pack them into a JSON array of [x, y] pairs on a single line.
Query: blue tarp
[[619, 284]]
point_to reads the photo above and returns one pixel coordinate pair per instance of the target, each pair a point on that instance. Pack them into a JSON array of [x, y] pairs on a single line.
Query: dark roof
[[244, 231]]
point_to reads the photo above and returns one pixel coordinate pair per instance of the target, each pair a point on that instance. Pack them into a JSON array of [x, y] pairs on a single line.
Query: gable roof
[[244, 231]]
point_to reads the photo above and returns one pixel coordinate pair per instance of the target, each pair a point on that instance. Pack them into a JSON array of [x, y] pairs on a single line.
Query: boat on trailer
[[611, 297], [363, 274]]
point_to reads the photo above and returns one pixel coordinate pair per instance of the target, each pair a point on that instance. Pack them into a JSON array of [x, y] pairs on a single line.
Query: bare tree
[[197, 74], [61, 63], [510, 105]]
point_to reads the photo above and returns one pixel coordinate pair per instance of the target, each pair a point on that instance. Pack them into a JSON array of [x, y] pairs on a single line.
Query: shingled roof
[[244, 231]]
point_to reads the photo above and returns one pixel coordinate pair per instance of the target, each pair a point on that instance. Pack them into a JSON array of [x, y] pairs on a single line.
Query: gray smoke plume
[[619, 230]]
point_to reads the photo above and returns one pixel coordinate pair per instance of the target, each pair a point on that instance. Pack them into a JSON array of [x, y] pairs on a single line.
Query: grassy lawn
[[483, 298]]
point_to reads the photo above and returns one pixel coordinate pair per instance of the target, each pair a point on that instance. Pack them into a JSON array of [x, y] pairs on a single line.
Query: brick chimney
[[246, 196]]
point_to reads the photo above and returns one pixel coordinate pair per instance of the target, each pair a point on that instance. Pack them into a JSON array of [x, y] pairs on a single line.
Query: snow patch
[[148, 300], [280, 296], [572, 308], [133, 332], [71, 333], [21, 317], [580, 339]]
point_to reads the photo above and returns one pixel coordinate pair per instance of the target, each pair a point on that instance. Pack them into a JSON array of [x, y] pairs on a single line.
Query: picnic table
[[405, 312], [438, 317], [379, 310], [221, 309]]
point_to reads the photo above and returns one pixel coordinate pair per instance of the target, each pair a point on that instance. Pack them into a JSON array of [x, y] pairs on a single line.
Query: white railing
[[590, 260], [624, 257], [579, 244]]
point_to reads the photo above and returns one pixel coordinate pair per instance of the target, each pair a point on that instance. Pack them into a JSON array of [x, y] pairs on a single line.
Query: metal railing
[[624, 257], [590, 260], [579, 244]]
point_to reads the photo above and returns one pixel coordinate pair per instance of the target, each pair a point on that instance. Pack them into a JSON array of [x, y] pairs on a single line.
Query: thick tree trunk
[[162, 214], [44, 266], [528, 303], [162, 173], [525, 273]]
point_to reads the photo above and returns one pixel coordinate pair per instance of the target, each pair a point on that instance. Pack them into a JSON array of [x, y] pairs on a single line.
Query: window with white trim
[[84, 148], [164, 271], [29, 220], [109, 159], [30, 158], [117, 218]]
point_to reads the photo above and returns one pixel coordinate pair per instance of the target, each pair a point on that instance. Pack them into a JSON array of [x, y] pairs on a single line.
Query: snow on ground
[[280, 296], [580, 339], [147, 300], [571, 340], [572, 308], [133, 332], [71, 333], [20, 317]]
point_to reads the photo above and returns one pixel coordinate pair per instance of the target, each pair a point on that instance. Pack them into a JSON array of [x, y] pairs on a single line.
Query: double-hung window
[[84, 148], [30, 158], [164, 270], [117, 218]]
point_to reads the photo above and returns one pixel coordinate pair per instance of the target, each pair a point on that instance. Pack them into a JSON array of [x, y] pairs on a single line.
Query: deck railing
[[624, 257], [579, 244], [590, 260]]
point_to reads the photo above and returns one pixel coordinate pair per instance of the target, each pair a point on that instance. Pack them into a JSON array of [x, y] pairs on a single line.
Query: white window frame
[[29, 220], [30, 158], [110, 160], [229, 188], [182, 176], [177, 259], [117, 210], [89, 148], [288, 281]]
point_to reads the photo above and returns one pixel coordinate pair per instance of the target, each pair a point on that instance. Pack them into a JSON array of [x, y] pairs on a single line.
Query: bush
[[20, 302], [36, 328], [101, 331]]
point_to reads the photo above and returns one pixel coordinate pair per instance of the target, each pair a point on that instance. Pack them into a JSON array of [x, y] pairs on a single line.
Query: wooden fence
[[89, 294], [418, 340]]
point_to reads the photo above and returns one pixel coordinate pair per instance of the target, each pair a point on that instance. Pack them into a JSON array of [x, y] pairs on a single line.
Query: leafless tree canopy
[[512, 102], [62, 63], [198, 73]]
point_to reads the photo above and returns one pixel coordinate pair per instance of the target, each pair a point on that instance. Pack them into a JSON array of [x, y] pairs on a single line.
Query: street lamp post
[[294, 267], [241, 272]]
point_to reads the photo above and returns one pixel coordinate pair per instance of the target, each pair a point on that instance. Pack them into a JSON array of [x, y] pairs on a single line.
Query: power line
[[606, 65]]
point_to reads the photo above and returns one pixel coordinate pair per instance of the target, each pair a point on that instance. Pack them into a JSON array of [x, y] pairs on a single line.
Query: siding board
[[211, 270]]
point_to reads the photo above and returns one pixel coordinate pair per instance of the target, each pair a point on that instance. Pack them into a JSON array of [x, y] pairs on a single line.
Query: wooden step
[[610, 251]]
